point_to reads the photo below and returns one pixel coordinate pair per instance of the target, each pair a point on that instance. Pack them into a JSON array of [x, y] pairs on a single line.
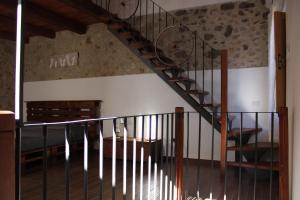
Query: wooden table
[[149, 148]]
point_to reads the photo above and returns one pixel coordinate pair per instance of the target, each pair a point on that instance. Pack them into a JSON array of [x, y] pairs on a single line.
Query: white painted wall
[[293, 92], [147, 93]]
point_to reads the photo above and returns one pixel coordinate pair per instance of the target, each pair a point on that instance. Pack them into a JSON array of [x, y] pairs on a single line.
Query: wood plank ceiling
[[44, 18]]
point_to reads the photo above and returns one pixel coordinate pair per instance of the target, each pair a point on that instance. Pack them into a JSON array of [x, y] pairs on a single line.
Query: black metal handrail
[[151, 21], [161, 165]]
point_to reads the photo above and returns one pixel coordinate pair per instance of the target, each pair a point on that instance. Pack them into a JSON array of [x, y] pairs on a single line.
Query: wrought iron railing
[[175, 45], [156, 176]]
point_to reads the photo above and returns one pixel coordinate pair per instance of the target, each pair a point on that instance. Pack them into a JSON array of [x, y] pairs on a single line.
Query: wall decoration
[[62, 61]]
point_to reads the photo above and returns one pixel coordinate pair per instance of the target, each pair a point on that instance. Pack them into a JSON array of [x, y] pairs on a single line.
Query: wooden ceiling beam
[[34, 14], [10, 35], [88, 7], [83, 8], [7, 35], [30, 30]]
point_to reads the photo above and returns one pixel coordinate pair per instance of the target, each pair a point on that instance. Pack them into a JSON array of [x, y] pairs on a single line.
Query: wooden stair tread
[[137, 45], [126, 34], [259, 165], [162, 65], [235, 132], [116, 26], [181, 79], [148, 55], [251, 147], [210, 105], [197, 92], [168, 68]]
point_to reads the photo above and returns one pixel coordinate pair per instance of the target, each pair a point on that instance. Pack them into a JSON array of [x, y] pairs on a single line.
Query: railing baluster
[[124, 158], [272, 156], [161, 191], [166, 188], [134, 20], [172, 157], [142, 159], [114, 146], [187, 185], [149, 158], [85, 160], [140, 16], [146, 19], [159, 20], [45, 163], [212, 77], [256, 156], [240, 156], [196, 60], [134, 159], [212, 156], [199, 156], [166, 19], [225, 167], [101, 160], [153, 27], [188, 69], [67, 161], [167, 160], [155, 164], [203, 66]]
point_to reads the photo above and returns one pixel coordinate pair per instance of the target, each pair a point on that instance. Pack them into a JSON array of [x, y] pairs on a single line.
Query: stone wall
[[100, 54], [7, 62], [241, 27]]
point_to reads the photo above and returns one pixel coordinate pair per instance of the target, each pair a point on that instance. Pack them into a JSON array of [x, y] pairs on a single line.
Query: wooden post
[[7, 155], [283, 154], [179, 139], [224, 107], [280, 55]]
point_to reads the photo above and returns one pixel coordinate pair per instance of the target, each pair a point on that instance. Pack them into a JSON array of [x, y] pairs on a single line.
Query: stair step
[[148, 55], [137, 45], [167, 67], [197, 92], [259, 165], [251, 147], [235, 132], [126, 35], [181, 79], [210, 105], [116, 26]]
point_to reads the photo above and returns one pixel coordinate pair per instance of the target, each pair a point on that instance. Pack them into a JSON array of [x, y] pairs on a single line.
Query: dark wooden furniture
[[149, 148], [58, 111], [7, 154]]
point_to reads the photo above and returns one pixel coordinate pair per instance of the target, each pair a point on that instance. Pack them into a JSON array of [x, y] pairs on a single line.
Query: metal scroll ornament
[[124, 9], [175, 45]]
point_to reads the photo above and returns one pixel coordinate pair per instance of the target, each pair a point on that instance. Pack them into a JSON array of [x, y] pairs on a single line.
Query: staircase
[[138, 33]]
